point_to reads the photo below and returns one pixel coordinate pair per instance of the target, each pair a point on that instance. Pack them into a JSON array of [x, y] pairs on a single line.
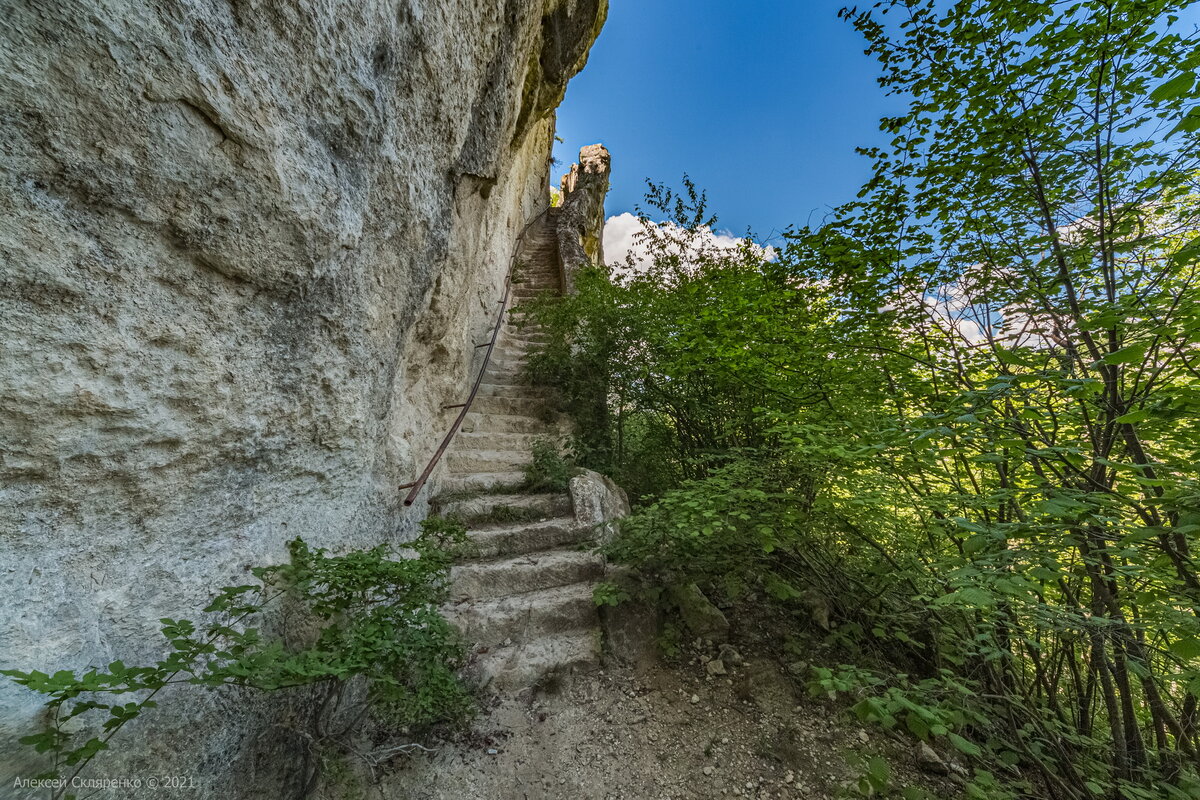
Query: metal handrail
[[416, 486]]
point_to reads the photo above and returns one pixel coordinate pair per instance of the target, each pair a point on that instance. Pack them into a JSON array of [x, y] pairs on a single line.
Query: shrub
[[366, 616], [549, 469]]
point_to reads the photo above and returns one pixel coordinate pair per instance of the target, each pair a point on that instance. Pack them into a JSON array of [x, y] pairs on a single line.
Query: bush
[[365, 615], [549, 470]]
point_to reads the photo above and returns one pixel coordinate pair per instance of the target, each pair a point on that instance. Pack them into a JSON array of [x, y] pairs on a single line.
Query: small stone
[[929, 761], [715, 667], [492, 751], [730, 655], [791, 776], [862, 737], [695, 699], [708, 770]]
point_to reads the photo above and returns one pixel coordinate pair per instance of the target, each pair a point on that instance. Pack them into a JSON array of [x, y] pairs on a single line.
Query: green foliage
[[874, 777], [548, 469], [958, 425], [364, 615], [609, 594], [723, 531], [670, 642]]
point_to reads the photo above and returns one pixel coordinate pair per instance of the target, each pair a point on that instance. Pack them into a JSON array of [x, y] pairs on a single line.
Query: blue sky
[[761, 103]]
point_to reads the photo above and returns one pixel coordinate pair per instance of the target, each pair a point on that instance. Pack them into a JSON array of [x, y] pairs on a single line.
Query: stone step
[[508, 366], [525, 617], [545, 506], [527, 339], [476, 422], [520, 666], [494, 440], [529, 537], [473, 483], [490, 580], [510, 357], [510, 349], [517, 331], [468, 461], [506, 377], [530, 407], [515, 390]]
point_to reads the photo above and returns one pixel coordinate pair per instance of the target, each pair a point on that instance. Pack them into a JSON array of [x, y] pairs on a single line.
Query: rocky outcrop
[[581, 217], [598, 503], [246, 249]]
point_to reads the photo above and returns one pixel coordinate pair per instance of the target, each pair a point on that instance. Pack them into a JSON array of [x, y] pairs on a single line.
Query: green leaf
[[1187, 648], [1133, 354], [1186, 253], [963, 745], [1189, 124], [1178, 86]]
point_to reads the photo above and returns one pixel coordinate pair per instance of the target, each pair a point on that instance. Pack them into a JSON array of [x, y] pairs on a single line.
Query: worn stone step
[[510, 359], [528, 340], [495, 440], [524, 665], [472, 483], [506, 377], [512, 423], [525, 617], [510, 350], [488, 580], [545, 505], [509, 405], [468, 460], [527, 537], [515, 390]]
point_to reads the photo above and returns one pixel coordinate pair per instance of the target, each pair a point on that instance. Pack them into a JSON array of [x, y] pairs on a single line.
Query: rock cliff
[[244, 250], [581, 218]]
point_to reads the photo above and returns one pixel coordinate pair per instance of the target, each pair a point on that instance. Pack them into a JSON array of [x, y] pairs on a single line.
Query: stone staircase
[[524, 599]]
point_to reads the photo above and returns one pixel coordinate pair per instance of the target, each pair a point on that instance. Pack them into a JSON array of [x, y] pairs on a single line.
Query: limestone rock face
[[244, 250], [581, 217]]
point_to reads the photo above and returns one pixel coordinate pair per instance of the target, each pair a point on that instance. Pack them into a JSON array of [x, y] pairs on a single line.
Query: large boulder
[[598, 503]]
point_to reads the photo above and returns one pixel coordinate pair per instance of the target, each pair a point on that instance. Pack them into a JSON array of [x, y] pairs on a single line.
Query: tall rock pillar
[[580, 224]]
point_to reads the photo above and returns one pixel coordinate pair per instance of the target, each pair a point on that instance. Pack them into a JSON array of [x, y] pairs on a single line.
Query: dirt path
[[673, 732]]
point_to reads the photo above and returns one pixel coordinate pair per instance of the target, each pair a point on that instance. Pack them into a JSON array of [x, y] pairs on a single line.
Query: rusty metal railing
[[416, 486]]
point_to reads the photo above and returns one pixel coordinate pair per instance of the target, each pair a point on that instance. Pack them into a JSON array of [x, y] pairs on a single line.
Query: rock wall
[[244, 249], [581, 217]]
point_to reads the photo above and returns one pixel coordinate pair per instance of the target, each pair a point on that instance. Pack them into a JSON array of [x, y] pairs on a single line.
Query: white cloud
[[622, 239]]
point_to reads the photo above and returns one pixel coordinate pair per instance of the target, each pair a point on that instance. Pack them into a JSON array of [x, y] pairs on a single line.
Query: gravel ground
[[669, 732]]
